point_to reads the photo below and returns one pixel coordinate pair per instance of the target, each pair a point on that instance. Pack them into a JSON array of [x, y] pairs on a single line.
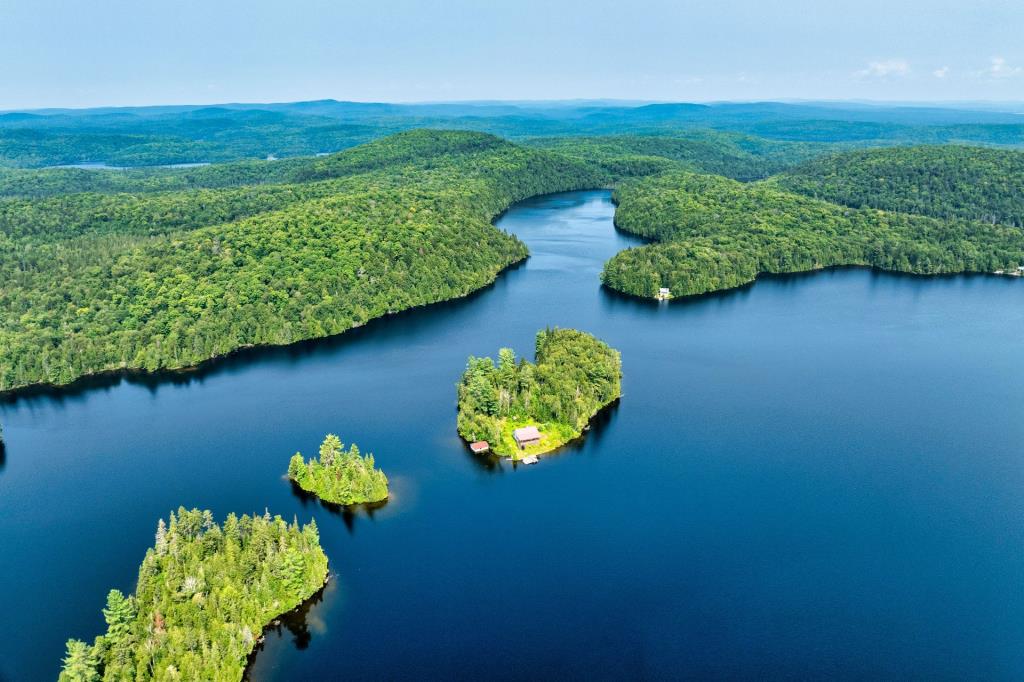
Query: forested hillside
[[716, 233], [155, 280], [948, 181], [734, 156], [148, 136]]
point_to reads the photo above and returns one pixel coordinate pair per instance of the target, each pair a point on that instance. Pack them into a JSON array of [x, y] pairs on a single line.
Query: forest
[[154, 269], [573, 377], [155, 280], [713, 233], [947, 181], [205, 591], [740, 157], [150, 136], [339, 476]]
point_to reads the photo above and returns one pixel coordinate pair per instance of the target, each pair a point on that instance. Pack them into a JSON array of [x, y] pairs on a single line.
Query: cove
[[815, 475]]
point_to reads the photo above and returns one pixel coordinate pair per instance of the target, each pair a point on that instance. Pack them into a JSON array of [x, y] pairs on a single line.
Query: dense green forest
[[207, 135], [715, 233], [147, 136], [151, 280], [203, 596], [165, 268], [339, 476], [400, 154], [947, 181], [736, 156], [573, 377]]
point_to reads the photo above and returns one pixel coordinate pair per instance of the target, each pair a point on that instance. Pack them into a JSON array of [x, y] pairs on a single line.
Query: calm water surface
[[814, 476]]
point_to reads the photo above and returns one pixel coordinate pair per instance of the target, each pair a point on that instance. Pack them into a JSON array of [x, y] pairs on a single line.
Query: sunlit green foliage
[[716, 233], [97, 282], [948, 181], [575, 375], [339, 476], [204, 594]]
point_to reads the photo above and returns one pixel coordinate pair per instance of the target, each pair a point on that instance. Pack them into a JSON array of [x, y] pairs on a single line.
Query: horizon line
[[608, 102]]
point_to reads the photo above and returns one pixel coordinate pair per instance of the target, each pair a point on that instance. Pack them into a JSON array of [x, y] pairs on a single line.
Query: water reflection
[[347, 513], [301, 624], [799, 464], [392, 325]]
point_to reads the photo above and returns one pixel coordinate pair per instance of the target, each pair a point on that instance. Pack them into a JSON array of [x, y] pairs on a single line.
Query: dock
[[530, 459]]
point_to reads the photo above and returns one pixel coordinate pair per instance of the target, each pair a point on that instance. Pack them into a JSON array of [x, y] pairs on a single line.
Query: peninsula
[[204, 594], [522, 409], [927, 211]]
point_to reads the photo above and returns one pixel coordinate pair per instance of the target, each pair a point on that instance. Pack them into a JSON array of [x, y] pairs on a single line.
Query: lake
[[815, 476]]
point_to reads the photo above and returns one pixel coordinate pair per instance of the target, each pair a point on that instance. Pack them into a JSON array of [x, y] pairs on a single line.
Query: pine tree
[[79, 664], [119, 615], [161, 538], [329, 449]]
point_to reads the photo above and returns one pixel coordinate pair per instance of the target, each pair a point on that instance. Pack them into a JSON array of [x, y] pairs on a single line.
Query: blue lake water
[[814, 476]]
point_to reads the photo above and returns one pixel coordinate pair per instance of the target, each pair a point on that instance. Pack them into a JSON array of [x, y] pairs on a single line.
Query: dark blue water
[[815, 476]]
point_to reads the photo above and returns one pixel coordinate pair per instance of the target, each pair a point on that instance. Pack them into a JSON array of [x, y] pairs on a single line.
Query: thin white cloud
[[999, 68], [885, 68], [941, 72]]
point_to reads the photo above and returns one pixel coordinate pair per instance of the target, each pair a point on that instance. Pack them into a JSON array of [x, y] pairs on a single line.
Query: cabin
[[664, 293], [527, 435], [479, 447]]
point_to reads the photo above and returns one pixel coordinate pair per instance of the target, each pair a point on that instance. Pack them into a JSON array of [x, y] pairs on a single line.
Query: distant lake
[[99, 165], [817, 476]]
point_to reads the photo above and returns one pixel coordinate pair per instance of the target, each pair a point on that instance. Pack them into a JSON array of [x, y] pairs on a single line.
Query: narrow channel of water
[[813, 476]]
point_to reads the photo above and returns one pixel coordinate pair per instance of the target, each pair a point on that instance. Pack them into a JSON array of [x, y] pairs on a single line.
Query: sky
[[83, 53]]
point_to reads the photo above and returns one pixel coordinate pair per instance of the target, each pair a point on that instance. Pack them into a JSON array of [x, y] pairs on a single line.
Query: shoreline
[[168, 374], [112, 375], [276, 622], [578, 437], [803, 273]]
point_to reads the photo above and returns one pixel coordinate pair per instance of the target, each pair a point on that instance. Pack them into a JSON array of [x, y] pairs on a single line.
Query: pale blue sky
[[127, 52]]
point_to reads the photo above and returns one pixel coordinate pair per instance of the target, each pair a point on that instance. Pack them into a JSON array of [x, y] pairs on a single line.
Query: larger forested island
[[205, 591], [551, 400]]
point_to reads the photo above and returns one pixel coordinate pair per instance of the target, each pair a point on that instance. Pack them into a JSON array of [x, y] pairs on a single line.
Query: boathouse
[[480, 447], [527, 435], [664, 293]]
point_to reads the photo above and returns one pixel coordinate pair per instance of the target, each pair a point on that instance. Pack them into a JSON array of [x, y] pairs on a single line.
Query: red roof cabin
[[527, 435], [480, 447]]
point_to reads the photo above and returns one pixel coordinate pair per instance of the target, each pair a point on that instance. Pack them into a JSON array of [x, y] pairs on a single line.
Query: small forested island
[[339, 476], [203, 596], [548, 403]]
